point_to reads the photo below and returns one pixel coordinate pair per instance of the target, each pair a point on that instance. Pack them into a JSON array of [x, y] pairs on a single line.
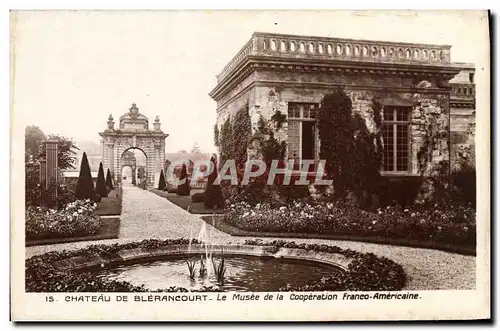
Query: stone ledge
[[140, 254]]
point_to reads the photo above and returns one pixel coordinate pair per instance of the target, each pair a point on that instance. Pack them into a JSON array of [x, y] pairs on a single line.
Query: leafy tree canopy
[[33, 139]]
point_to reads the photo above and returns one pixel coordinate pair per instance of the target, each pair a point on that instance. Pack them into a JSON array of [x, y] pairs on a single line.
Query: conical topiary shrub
[[85, 185], [161, 183], [184, 189], [213, 193], [100, 185], [109, 180]]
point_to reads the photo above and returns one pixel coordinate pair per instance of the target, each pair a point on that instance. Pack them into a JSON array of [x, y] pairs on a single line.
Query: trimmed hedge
[[367, 272]]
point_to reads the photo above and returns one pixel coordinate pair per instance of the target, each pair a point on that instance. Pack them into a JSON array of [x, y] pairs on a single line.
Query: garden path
[[147, 215]]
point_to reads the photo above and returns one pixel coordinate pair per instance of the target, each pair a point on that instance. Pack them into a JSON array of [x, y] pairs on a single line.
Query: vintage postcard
[[250, 165]]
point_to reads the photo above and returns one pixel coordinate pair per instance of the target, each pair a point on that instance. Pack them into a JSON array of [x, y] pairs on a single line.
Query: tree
[[216, 136], [100, 185], [85, 185], [161, 183], [213, 193], [336, 136], [109, 180], [226, 141], [352, 153], [33, 139], [66, 152], [195, 148], [184, 189], [242, 130]]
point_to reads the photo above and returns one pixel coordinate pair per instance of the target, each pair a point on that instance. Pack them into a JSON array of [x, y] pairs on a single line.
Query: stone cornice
[[280, 83], [454, 103], [251, 63], [122, 133]]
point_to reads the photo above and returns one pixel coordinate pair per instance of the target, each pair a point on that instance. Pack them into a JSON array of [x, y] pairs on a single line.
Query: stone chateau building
[[423, 95]]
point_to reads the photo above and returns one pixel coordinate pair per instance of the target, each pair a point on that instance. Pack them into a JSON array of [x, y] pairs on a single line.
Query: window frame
[[394, 122], [314, 106]]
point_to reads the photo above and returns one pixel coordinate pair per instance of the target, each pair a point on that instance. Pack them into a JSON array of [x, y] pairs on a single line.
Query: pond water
[[243, 273]]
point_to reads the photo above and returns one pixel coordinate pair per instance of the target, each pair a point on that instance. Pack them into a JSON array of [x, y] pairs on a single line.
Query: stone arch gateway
[[133, 133]]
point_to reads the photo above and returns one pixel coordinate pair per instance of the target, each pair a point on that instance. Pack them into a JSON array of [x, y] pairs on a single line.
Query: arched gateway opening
[[133, 141], [134, 167]]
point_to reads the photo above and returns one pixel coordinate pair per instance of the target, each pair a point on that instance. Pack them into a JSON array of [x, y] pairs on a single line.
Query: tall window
[[301, 132], [396, 138]]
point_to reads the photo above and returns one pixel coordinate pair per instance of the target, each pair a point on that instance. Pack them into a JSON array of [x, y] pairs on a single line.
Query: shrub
[[65, 194], [184, 189], [213, 192], [98, 198], [464, 183], [85, 185], [76, 219], [109, 180], [198, 197], [161, 182], [400, 191], [100, 186], [294, 192]]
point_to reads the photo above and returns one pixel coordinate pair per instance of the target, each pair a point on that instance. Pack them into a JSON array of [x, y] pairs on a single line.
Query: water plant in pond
[[203, 269], [192, 270], [219, 269]]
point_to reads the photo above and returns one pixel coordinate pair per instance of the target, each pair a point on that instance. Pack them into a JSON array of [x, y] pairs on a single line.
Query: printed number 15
[[49, 298]]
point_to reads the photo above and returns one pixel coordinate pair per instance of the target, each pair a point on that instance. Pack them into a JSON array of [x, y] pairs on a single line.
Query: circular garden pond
[[174, 265], [242, 273]]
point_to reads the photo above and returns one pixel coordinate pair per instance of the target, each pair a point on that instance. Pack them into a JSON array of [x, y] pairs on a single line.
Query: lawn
[[111, 205], [185, 202]]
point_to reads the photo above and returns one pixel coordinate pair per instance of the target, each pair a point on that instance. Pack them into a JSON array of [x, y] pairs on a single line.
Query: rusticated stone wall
[[267, 92], [463, 127]]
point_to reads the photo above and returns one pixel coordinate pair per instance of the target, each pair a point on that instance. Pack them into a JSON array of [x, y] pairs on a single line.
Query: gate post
[[51, 171]]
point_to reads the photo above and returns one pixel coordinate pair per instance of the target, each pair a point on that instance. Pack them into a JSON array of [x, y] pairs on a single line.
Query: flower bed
[[448, 225], [78, 218], [366, 272]]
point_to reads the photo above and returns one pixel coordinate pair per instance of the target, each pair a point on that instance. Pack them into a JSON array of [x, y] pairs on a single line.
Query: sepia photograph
[[214, 165]]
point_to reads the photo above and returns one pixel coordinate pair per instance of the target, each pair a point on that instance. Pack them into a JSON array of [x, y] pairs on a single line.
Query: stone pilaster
[[51, 168]]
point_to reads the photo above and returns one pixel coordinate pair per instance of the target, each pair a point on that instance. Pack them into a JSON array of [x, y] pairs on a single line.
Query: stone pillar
[[157, 164], [150, 167], [109, 159], [43, 172], [51, 168]]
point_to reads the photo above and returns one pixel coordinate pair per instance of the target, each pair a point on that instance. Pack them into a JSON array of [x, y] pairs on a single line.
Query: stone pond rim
[[135, 255]]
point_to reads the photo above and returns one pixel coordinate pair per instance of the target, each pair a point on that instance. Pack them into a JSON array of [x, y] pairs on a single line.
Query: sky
[[71, 69]]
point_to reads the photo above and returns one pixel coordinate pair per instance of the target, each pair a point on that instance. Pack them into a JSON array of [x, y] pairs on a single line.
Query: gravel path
[[147, 215]]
